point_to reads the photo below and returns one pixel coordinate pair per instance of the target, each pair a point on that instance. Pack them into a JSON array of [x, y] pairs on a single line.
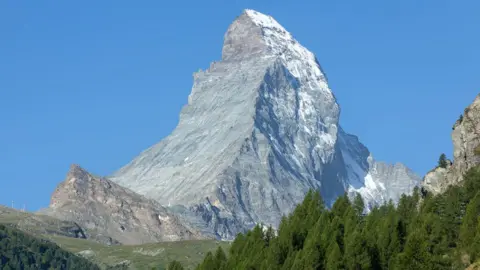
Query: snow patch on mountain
[[260, 129]]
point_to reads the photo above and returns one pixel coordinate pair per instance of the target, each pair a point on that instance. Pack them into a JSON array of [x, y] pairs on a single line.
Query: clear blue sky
[[96, 82]]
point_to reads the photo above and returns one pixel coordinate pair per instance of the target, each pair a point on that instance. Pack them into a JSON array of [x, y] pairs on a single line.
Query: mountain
[[466, 151], [437, 227], [260, 129], [97, 204], [38, 224], [424, 231], [88, 243]]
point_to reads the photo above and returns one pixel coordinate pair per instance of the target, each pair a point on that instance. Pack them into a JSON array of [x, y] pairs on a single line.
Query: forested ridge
[[19, 250], [422, 232]]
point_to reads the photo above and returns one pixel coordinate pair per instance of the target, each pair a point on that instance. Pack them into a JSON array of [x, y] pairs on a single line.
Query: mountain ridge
[[260, 129], [466, 151], [114, 211]]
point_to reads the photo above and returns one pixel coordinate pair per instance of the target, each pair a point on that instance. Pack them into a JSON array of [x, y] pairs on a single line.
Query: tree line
[[422, 231], [19, 250]]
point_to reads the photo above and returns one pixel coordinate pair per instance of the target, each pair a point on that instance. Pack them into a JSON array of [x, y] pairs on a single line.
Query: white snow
[[312, 99], [264, 20], [161, 218], [369, 183], [361, 180], [299, 60]]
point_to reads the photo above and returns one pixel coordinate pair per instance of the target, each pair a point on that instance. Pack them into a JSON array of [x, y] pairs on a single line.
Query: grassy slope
[[146, 256]]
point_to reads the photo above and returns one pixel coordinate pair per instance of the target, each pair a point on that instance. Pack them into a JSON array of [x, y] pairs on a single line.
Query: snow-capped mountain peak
[[260, 129]]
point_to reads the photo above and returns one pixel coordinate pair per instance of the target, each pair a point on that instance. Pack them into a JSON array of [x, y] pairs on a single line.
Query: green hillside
[[146, 256], [19, 250]]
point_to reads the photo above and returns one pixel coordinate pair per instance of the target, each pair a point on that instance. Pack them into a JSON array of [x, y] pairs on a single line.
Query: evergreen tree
[[335, 258], [388, 240], [475, 247], [208, 263], [431, 232], [415, 255], [442, 161], [19, 250], [356, 255], [174, 265], [312, 256], [358, 204], [220, 259], [469, 225]]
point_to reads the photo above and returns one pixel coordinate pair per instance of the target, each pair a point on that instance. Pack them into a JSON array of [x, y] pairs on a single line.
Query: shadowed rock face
[[111, 210], [466, 151], [260, 129]]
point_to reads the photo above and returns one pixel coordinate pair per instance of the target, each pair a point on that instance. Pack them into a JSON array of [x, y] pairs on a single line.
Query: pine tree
[[312, 256], [220, 258], [174, 265], [208, 263], [341, 205], [442, 161], [334, 259], [427, 233], [358, 204], [415, 255], [468, 229], [356, 255], [475, 247], [388, 241]]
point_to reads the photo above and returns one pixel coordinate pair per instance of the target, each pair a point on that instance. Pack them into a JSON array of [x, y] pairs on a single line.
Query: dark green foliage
[[437, 232], [217, 261], [358, 204], [334, 259], [174, 265], [415, 254], [208, 262], [442, 161], [356, 253], [19, 250], [458, 122]]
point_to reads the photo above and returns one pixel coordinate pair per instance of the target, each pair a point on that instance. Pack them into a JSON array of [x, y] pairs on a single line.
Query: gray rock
[[100, 205], [260, 129], [86, 253], [39, 224], [466, 151]]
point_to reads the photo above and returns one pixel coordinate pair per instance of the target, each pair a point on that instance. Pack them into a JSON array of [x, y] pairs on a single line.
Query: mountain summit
[[260, 129]]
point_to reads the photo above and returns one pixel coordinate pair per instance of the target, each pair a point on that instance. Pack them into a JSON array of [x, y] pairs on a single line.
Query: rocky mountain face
[[99, 205], [38, 224], [260, 129], [466, 151]]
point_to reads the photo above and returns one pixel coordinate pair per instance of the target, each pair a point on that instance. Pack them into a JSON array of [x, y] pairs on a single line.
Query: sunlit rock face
[[260, 129], [466, 151], [98, 205]]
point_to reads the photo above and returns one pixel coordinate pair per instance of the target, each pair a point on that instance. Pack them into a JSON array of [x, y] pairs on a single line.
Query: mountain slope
[[424, 231], [19, 250], [466, 151], [111, 210], [38, 224], [145, 256], [260, 129]]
